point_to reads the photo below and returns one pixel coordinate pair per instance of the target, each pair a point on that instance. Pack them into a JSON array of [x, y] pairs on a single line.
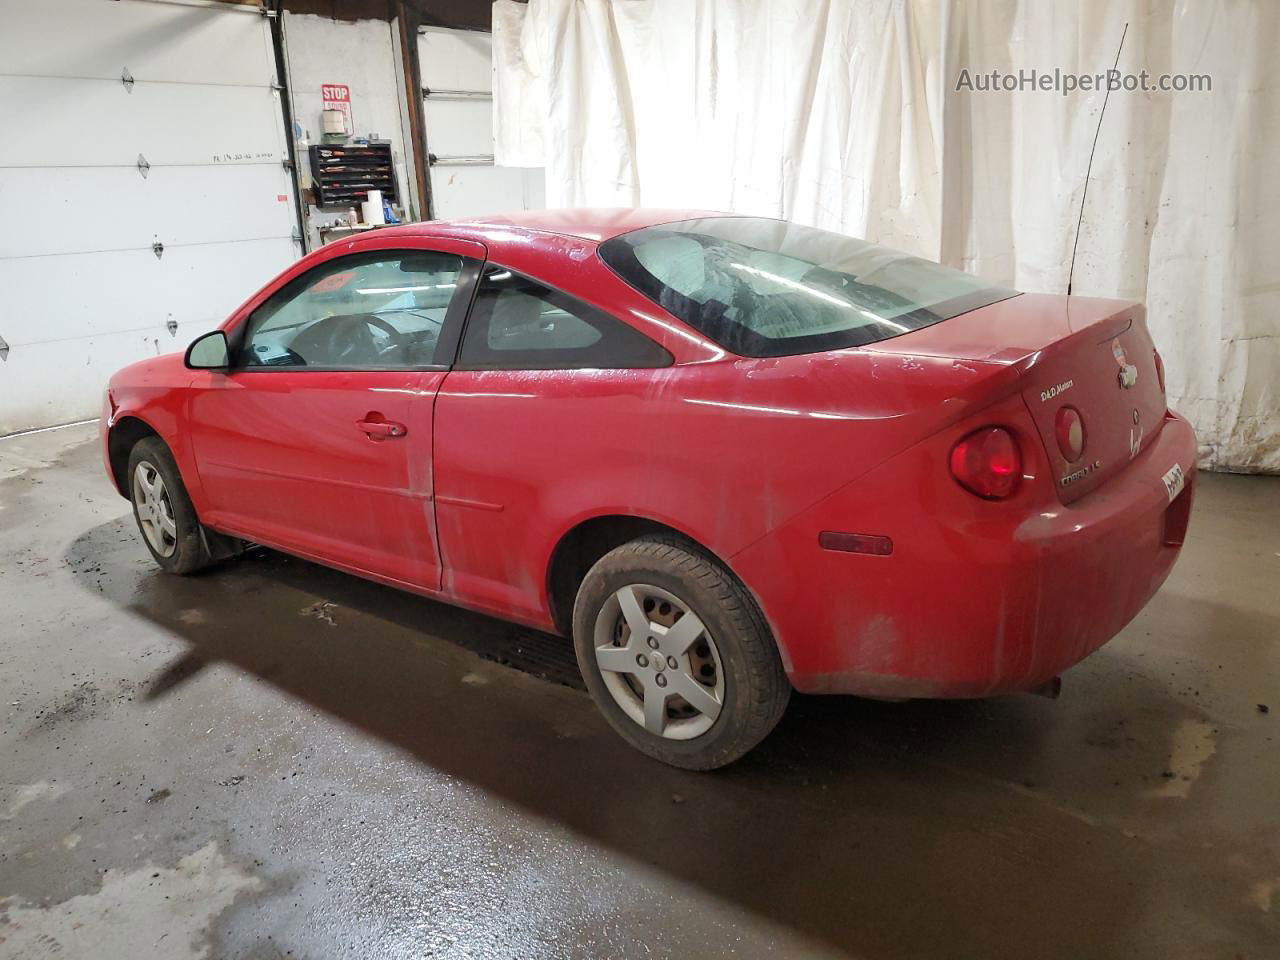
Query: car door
[[546, 394], [318, 438]]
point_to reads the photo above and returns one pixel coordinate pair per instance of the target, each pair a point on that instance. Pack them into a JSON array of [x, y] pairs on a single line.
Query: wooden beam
[[409, 19], [457, 14]]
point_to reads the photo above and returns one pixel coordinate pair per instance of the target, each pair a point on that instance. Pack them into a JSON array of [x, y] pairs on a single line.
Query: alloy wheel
[[659, 662], [155, 509]]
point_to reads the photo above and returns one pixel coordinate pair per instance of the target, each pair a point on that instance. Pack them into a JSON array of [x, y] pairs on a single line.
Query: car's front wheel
[[166, 519], [676, 654]]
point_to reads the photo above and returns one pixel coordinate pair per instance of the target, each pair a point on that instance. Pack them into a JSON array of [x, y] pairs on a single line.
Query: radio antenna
[[1089, 168]]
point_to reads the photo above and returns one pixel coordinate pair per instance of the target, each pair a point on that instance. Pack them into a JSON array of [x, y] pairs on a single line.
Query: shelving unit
[[344, 174]]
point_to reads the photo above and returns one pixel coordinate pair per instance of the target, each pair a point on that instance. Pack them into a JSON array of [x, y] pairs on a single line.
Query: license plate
[[1174, 481]]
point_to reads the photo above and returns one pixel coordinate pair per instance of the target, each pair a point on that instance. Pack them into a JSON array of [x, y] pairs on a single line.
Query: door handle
[[382, 428]]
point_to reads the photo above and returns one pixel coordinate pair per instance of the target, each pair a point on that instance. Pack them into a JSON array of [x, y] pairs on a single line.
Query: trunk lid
[[1090, 354]]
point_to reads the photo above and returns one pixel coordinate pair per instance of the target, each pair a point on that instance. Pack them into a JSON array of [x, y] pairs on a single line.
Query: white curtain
[[845, 114]]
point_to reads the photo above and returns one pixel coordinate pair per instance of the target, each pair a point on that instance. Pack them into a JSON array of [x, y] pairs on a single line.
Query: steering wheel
[[398, 340], [344, 339]]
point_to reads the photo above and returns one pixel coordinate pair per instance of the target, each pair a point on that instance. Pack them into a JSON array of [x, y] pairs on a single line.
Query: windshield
[[768, 288]]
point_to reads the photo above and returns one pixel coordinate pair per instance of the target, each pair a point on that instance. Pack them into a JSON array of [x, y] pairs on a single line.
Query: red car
[[729, 456]]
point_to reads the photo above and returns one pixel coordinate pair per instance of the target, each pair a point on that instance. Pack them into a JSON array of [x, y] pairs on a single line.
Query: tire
[[728, 651], [166, 520]]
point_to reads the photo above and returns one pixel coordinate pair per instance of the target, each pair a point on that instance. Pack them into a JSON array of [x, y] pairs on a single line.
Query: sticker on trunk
[[1174, 481], [1128, 372]]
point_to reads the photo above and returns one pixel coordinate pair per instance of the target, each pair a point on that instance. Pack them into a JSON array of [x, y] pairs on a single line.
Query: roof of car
[[594, 223]]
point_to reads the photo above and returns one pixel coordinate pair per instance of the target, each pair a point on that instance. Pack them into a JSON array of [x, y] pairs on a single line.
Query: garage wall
[[846, 114], [84, 292]]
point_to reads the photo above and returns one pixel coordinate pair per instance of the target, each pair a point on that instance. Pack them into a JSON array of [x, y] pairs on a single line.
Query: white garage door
[[142, 187], [457, 74]]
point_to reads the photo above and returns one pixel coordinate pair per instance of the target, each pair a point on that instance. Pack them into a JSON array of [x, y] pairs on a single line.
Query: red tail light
[[1070, 431], [988, 463]]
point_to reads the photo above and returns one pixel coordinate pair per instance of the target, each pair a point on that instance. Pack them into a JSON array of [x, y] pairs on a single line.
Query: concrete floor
[[273, 759]]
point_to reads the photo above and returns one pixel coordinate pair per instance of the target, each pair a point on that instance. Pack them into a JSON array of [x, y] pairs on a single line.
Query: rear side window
[[767, 288], [519, 324]]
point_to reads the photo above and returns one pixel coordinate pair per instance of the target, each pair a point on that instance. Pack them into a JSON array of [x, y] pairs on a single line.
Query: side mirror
[[209, 352]]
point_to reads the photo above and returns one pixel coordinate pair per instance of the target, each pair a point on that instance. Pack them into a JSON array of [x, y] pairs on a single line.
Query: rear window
[[768, 288]]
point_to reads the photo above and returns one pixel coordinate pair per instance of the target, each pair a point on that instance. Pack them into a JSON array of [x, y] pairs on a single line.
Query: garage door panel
[[89, 122], [62, 298], [155, 41], [83, 368], [476, 191], [455, 59], [459, 127], [114, 208], [462, 60]]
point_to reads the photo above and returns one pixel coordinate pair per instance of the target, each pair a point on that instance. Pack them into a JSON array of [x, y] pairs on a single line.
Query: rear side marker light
[[1069, 428], [988, 463], [855, 543]]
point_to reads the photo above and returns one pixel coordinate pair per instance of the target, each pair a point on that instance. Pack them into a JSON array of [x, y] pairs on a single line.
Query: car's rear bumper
[[977, 598]]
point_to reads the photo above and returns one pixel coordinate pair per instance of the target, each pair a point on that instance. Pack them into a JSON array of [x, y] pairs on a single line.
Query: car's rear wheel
[[166, 519], [676, 654]]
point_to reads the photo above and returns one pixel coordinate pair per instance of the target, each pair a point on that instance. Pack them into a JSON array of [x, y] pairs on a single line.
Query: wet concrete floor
[[275, 760]]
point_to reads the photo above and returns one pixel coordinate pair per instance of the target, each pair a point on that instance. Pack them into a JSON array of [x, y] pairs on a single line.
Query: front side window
[[767, 288], [374, 311], [519, 324]]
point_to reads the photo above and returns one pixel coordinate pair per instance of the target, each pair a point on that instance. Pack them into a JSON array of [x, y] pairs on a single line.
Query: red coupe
[[729, 456]]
